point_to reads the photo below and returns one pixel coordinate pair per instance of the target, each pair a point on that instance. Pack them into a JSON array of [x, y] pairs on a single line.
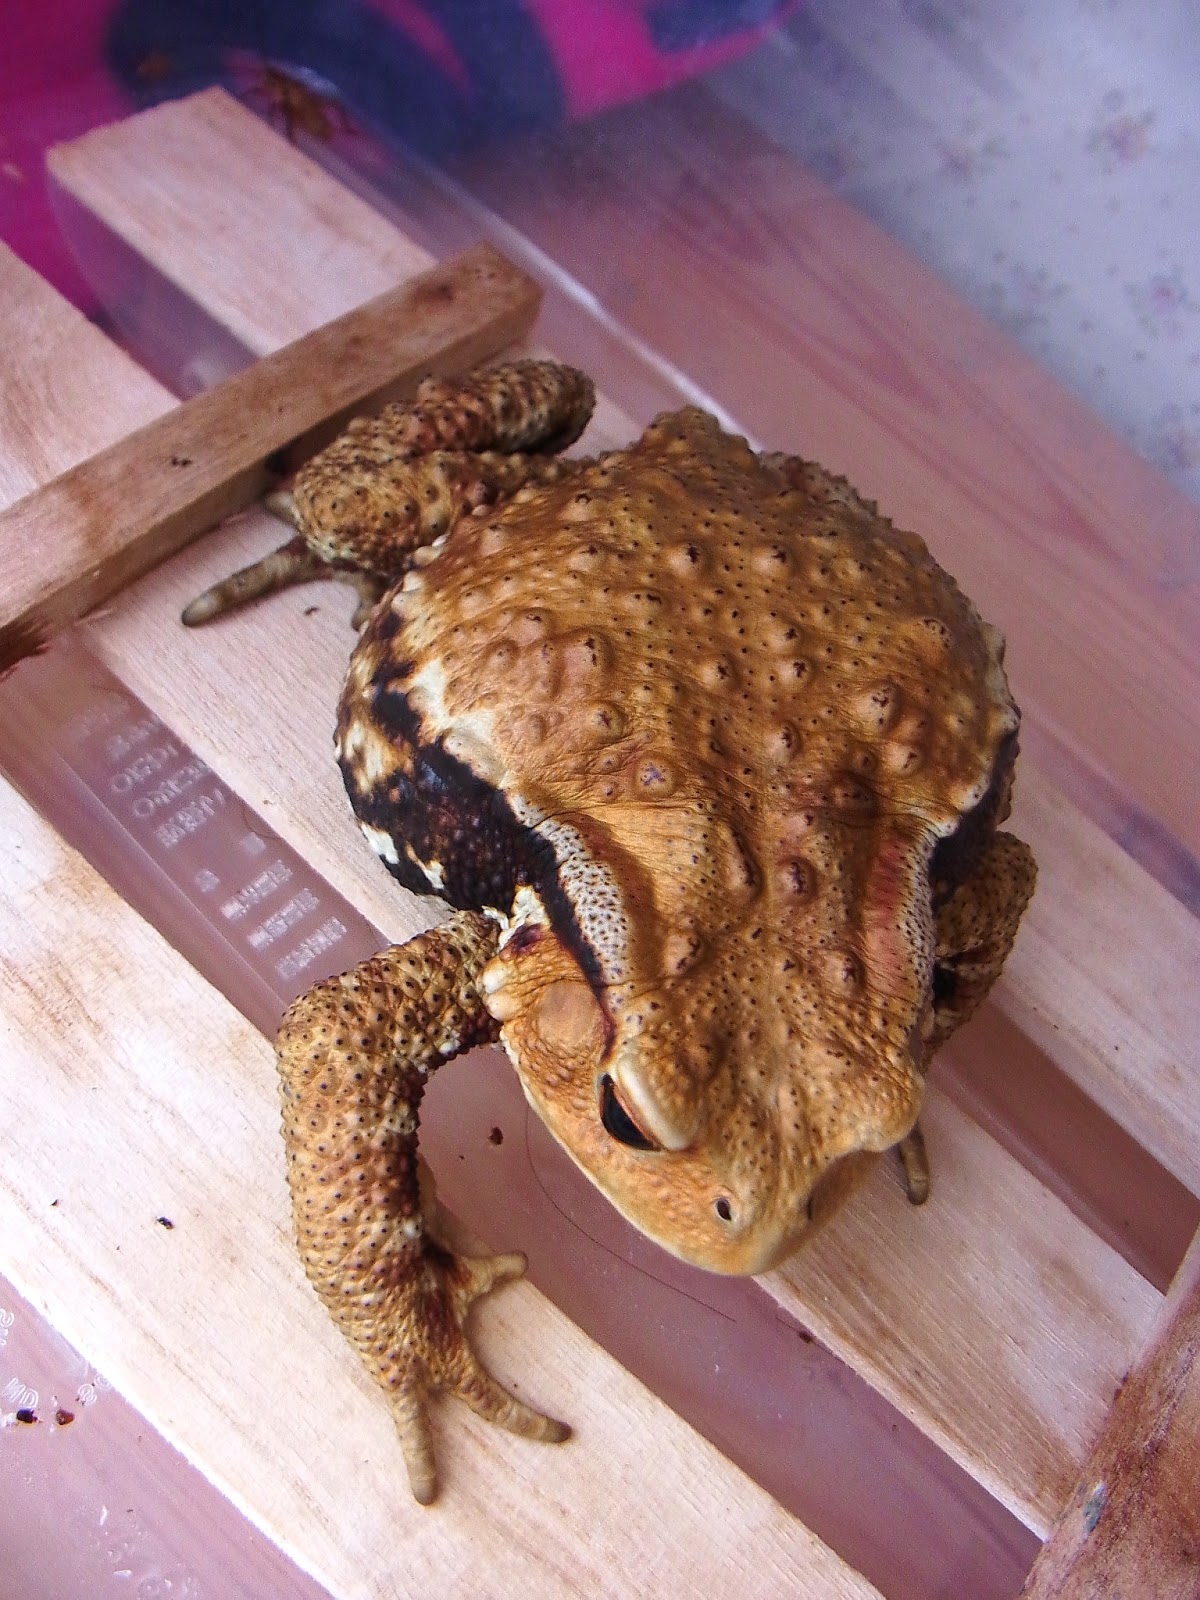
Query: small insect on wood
[[299, 105]]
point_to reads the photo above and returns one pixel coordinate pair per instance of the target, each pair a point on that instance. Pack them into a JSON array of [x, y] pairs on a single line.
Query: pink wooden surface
[[95, 1505]]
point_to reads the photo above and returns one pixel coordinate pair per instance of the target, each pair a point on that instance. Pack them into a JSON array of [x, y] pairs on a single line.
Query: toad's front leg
[[390, 485], [354, 1054]]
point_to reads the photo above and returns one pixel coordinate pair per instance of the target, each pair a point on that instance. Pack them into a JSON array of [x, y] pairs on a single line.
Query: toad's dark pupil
[[617, 1120]]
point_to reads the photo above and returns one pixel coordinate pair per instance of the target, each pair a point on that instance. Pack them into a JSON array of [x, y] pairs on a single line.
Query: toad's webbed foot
[[354, 1054], [428, 1351], [390, 485]]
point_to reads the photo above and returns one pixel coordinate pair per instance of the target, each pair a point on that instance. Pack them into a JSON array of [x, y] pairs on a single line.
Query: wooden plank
[[211, 1330], [1090, 1005], [221, 689], [1104, 978], [70, 544], [217, 152], [991, 1316], [822, 335], [45, 429], [1133, 1525]]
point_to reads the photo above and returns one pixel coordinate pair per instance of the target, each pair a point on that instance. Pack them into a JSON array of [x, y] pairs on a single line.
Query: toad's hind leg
[[354, 1054], [394, 483]]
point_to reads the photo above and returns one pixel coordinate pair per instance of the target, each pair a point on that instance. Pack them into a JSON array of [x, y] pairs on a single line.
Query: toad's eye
[[617, 1120]]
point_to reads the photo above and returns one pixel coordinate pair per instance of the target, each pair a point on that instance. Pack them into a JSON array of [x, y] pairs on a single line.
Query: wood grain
[[1132, 1528], [222, 690], [1104, 978], [98, 525], [45, 429], [991, 1316], [824, 336], [221, 161], [212, 1331]]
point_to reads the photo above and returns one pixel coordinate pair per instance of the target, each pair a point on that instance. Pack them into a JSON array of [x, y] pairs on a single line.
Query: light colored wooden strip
[[70, 544], [220, 160], [824, 336], [1133, 1524], [1105, 978], [991, 1316], [221, 689], [45, 429], [212, 1331]]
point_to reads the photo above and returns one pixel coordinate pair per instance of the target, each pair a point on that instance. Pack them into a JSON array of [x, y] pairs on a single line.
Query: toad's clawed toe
[[424, 1349], [354, 1054]]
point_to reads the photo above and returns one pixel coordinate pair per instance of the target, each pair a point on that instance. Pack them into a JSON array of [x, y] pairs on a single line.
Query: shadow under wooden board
[[1001, 1386]]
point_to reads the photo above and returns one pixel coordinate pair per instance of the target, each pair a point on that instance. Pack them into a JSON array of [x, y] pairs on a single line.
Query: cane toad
[[711, 760]]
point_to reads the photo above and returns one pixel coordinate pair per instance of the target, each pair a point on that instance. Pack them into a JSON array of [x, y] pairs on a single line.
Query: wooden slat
[[271, 220], [1133, 1525], [67, 546], [823, 335], [1121, 1027], [220, 688], [110, 1043], [212, 1331], [992, 1316], [1105, 978], [44, 428]]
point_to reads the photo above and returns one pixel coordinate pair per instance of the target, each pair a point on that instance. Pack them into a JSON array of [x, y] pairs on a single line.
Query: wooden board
[[1133, 1524], [100, 524], [44, 428], [963, 1384], [972, 1316], [1104, 978], [277, 198]]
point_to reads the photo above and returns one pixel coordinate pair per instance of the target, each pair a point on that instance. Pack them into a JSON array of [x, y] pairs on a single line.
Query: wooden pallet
[[996, 1319]]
